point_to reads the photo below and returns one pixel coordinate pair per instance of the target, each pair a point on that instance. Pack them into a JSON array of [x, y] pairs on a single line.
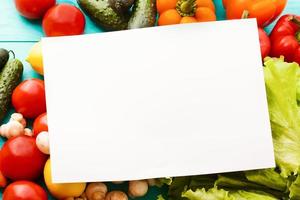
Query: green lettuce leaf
[[238, 181], [159, 182], [244, 195], [281, 85], [298, 87], [269, 178], [160, 197], [180, 184], [211, 194], [235, 181], [295, 189], [220, 194]]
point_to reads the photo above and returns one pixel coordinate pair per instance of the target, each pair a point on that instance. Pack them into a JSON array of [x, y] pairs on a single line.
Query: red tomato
[[265, 43], [40, 124], [63, 19], [20, 159], [33, 9], [28, 98], [24, 190]]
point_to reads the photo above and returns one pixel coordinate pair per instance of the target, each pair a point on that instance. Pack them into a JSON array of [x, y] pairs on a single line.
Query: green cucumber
[[103, 13], [4, 56], [121, 5], [10, 77], [143, 14]]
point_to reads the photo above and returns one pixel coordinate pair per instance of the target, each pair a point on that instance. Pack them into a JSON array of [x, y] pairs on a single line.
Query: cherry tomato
[[28, 98], [24, 190], [33, 9], [40, 124], [265, 43], [63, 19], [20, 159]]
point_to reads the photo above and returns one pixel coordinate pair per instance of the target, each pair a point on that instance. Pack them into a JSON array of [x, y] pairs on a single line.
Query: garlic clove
[[19, 118]]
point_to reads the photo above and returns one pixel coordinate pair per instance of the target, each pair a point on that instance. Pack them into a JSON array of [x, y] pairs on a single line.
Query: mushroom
[[116, 195], [15, 127], [151, 182], [82, 197], [28, 132], [19, 118], [137, 188], [42, 142], [96, 191]]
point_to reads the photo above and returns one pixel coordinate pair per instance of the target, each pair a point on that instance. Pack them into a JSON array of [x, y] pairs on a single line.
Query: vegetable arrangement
[[265, 11], [185, 11], [280, 183], [24, 158], [58, 20], [285, 38]]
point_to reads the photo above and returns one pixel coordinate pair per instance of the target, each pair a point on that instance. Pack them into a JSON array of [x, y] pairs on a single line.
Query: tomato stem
[[245, 14], [186, 7], [295, 20], [13, 53]]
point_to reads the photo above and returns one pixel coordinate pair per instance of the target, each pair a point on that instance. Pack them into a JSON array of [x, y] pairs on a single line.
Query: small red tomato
[[63, 19], [265, 43], [24, 190], [28, 98], [33, 9], [20, 159], [40, 124]]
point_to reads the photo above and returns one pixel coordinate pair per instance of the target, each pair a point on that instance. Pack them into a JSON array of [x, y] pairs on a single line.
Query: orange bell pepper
[[185, 11], [265, 11]]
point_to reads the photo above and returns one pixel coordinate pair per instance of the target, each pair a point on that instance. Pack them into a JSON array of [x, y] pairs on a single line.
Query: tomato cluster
[[58, 20], [20, 159]]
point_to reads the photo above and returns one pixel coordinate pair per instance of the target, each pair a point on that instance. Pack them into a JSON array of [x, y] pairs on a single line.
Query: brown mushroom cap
[[96, 191], [116, 195], [138, 188]]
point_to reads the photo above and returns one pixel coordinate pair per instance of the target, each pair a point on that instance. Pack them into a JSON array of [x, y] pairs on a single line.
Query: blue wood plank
[[18, 34], [14, 27]]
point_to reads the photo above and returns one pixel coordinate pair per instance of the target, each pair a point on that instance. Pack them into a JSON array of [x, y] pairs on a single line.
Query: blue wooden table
[[19, 34]]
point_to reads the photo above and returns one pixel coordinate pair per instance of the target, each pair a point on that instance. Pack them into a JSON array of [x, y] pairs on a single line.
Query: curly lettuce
[[220, 194], [211, 194], [269, 178], [281, 80]]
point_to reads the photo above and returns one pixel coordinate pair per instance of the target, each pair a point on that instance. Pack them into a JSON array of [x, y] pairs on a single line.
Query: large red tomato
[[28, 98], [24, 190], [33, 9], [20, 159], [40, 124], [63, 19]]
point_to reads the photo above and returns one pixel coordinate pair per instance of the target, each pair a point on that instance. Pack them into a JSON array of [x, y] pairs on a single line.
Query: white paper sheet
[[156, 102]]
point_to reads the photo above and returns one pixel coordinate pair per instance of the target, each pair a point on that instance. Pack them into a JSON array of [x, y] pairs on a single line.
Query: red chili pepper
[[285, 38]]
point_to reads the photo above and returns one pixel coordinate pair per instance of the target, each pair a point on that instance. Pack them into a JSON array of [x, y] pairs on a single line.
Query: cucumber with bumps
[[104, 13], [4, 56], [10, 77], [143, 14]]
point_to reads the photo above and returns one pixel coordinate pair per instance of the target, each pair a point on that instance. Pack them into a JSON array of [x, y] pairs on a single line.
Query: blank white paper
[[157, 102]]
